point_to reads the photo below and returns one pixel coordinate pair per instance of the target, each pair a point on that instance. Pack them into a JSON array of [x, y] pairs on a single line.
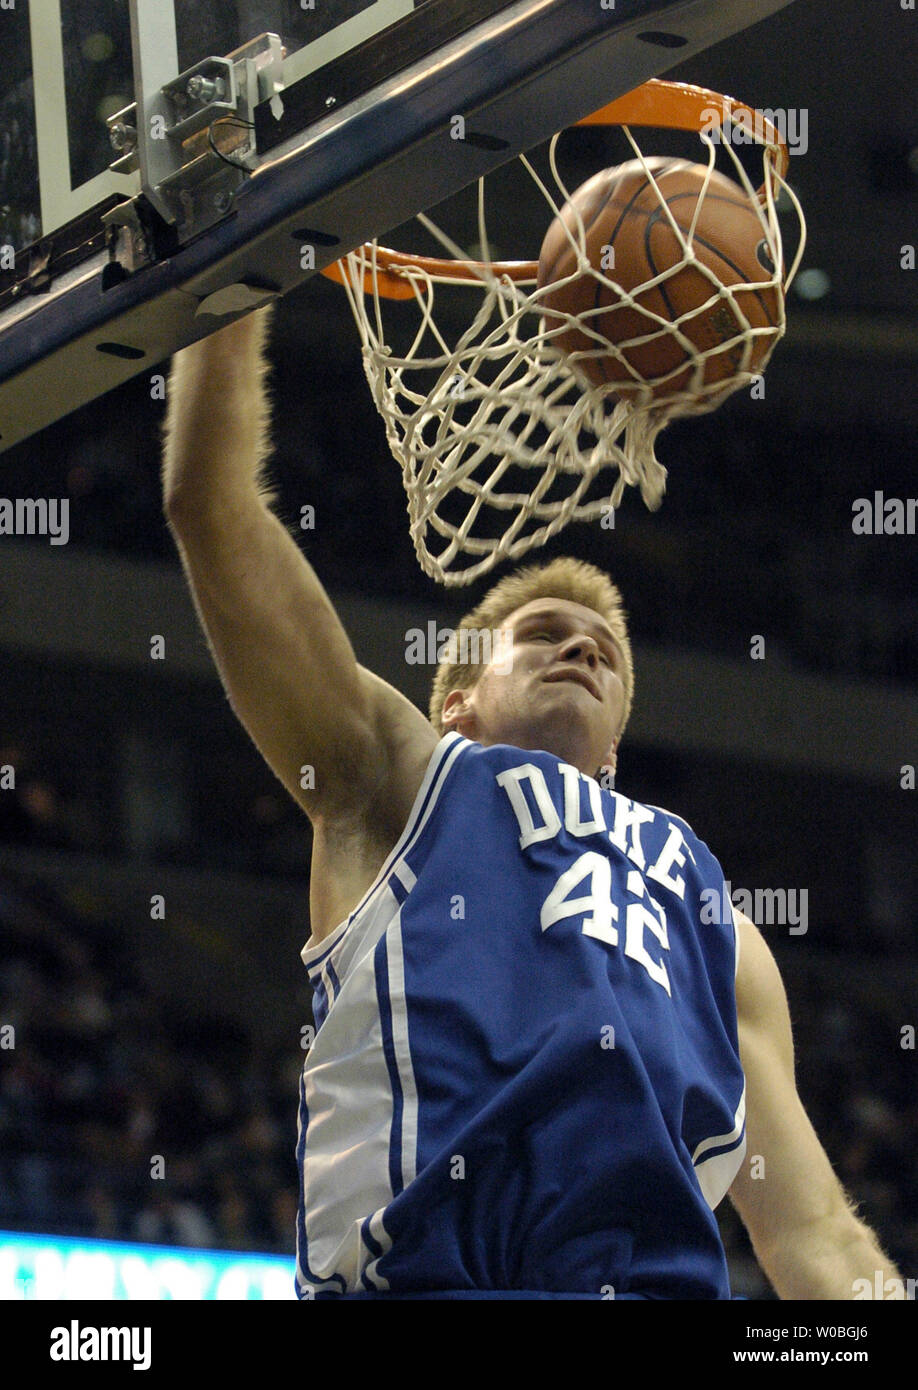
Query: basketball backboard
[[131, 223]]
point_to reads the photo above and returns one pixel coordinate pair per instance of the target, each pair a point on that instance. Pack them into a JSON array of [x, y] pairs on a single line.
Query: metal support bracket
[[193, 140]]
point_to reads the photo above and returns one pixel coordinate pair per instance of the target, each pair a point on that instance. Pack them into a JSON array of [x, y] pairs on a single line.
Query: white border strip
[[344, 37], [716, 1174], [59, 201]]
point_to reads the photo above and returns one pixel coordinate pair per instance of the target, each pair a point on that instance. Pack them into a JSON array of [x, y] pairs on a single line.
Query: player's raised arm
[[283, 655]]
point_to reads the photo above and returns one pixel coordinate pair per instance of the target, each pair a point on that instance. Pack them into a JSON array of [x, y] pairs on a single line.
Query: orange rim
[[669, 105], [394, 284]]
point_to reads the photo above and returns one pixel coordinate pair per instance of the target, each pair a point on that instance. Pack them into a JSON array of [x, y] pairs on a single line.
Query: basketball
[[630, 240]]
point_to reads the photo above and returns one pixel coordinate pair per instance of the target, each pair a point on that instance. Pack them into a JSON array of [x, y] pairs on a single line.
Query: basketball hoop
[[501, 419]]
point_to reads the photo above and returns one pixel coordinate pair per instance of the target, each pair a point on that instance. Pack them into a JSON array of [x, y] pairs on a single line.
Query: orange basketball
[[630, 240]]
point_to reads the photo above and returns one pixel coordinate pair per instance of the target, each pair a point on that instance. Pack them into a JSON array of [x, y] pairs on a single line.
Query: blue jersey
[[525, 1079]]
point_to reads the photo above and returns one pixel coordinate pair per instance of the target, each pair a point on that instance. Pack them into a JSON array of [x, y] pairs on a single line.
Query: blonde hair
[[565, 578]]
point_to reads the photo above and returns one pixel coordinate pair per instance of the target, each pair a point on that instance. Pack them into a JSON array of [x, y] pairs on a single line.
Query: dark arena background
[[154, 877]]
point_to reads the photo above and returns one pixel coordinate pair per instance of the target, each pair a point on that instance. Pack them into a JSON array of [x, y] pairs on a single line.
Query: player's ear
[[609, 764], [455, 709]]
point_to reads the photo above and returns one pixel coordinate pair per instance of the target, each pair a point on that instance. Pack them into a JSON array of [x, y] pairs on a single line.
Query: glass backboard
[[110, 246]]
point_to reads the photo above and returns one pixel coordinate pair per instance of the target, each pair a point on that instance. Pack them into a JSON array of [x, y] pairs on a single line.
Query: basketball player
[[537, 1068]]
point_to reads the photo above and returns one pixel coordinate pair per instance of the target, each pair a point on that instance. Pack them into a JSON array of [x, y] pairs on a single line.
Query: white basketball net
[[499, 420]]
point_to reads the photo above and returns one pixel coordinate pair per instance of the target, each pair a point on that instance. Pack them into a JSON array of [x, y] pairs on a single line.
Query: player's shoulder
[[759, 987], [704, 858], [399, 745], [679, 821]]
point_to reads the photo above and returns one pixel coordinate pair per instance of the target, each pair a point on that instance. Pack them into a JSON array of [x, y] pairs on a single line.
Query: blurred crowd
[[121, 1118], [33, 810], [53, 804]]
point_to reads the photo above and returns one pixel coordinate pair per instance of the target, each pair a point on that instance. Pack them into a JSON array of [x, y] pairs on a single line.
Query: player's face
[[563, 691]]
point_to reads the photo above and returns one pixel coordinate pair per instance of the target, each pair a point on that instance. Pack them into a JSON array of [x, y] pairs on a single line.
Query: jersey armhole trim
[[441, 761], [736, 940]]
